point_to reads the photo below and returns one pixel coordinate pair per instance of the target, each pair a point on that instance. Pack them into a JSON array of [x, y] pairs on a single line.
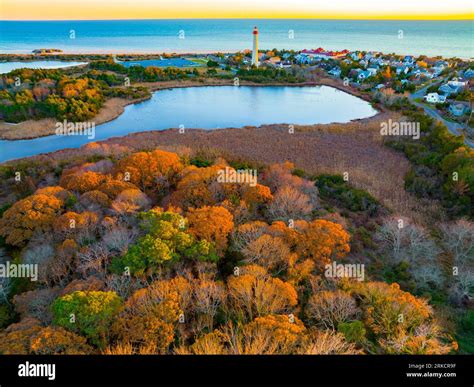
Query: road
[[454, 127]]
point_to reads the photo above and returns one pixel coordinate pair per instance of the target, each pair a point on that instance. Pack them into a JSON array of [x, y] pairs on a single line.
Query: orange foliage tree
[[32, 214], [149, 170], [58, 341], [81, 181], [323, 241], [212, 224]]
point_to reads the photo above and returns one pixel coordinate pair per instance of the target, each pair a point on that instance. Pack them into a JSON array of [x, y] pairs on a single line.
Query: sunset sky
[[173, 9]]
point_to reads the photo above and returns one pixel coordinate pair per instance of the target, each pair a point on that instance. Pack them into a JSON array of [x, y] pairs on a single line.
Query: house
[[335, 72], [441, 63], [469, 73], [435, 98], [285, 64], [458, 82], [402, 69], [321, 54], [369, 56], [274, 60], [304, 59], [373, 70], [457, 109], [356, 56], [448, 89], [408, 60], [364, 75], [421, 73]]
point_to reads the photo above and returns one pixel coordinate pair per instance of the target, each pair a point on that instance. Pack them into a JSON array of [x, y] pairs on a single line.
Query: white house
[[435, 98], [457, 82], [335, 72], [363, 75], [373, 70]]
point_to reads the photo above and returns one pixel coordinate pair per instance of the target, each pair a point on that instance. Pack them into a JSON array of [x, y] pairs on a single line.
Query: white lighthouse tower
[[255, 47]]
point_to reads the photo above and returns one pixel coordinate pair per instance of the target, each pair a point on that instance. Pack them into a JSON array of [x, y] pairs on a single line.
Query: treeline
[[442, 165], [143, 74]]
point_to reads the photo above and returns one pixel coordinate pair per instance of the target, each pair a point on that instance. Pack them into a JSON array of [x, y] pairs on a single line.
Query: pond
[[6, 67], [212, 107], [172, 62]]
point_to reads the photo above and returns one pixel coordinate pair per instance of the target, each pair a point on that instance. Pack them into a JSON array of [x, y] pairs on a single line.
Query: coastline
[[114, 107], [66, 54]]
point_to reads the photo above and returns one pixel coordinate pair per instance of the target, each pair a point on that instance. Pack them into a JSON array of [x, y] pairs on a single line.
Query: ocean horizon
[[409, 37]]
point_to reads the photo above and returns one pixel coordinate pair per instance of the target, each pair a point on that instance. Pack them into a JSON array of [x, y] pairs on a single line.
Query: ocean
[[432, 38]]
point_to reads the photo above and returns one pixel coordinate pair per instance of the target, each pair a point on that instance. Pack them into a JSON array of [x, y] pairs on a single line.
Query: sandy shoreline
[[114, 107]]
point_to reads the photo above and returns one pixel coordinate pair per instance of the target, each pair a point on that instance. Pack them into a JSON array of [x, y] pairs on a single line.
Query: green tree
[[88, 313]]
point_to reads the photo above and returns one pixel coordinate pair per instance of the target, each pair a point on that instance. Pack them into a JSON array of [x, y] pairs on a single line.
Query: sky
[[176, 9]]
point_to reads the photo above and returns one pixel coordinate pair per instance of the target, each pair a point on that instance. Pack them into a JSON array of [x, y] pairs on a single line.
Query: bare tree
[[328, 309], [289, 203], [458, 239]]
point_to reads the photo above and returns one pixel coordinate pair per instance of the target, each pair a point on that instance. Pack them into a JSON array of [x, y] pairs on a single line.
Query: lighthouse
[[255, 47]]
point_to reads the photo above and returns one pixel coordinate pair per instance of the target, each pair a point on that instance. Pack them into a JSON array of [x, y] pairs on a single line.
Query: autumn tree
[[252, 295], [323, 241], [58, 341], [212, 224], [268, 251], [35, 213], [81, 181], [112, 187], [149, 170], [148, 320], [16, 339], [256, 196], [271, 334], [130, 201], [200, 187], [246, 233], [399, 321], [94, 200], [71, 224]]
